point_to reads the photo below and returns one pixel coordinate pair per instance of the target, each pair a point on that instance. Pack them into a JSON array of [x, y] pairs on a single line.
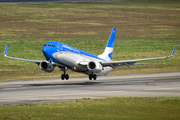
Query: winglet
[[5, 52], [174, 50]]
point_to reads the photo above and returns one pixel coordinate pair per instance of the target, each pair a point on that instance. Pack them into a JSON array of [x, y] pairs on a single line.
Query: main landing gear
[[92, 76], [64, 76]]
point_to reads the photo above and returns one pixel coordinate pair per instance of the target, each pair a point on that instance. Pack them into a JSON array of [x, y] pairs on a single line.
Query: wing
[[35, 61], [133, 62], [28, 60]]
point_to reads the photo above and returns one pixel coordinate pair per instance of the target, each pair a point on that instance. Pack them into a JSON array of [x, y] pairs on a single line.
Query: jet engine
[[46, 66], [95, 67]]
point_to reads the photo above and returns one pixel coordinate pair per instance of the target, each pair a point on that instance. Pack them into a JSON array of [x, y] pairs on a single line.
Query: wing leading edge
[[132, 62]]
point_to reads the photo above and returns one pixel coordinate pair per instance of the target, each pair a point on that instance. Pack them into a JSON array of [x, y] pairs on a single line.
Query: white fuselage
[[73, 61]]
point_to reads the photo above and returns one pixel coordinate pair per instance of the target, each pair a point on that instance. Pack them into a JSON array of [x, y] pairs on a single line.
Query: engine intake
[[46, 66], [92, 65], [96, 67]]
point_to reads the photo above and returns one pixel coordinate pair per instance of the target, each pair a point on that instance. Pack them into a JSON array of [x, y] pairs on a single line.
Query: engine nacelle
[[46, 66], [95, 67]]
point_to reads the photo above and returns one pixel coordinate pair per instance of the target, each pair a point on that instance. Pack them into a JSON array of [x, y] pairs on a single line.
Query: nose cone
[[46, 51]]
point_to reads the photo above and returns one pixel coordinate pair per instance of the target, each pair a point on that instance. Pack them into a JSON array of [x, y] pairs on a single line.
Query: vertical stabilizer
[[108, 51]]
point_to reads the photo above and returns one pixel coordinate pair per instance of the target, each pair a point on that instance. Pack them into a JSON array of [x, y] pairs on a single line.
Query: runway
[[54, 90]]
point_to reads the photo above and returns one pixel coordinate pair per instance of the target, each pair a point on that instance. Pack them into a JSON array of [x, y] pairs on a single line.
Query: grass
[[110, 108], [144, 29]]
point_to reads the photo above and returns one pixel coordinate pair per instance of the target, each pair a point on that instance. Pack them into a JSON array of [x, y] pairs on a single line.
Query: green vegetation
[[145, 28], [114, 108]]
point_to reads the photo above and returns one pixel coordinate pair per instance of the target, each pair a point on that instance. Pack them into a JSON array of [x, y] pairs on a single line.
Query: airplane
[[66, 57]]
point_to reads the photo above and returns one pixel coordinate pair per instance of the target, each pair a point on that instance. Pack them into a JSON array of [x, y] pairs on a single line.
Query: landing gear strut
[[92, 76], [64, 76]]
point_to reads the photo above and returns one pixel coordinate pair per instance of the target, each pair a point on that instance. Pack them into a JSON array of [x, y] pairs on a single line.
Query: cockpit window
[[49, 45]]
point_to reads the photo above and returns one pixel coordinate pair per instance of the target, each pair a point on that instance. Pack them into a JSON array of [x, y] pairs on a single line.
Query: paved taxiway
[[53, 90]]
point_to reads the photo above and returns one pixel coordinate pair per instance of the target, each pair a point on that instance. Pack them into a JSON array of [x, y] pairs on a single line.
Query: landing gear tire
[[90, 77], [67, 76], [62, 77], [93, 76]]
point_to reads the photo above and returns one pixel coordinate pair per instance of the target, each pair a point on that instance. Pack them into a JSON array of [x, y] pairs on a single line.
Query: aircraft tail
[[108, 51]]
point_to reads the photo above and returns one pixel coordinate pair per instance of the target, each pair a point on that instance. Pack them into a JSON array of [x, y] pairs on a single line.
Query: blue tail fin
[[110, 42], [108, 51]]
